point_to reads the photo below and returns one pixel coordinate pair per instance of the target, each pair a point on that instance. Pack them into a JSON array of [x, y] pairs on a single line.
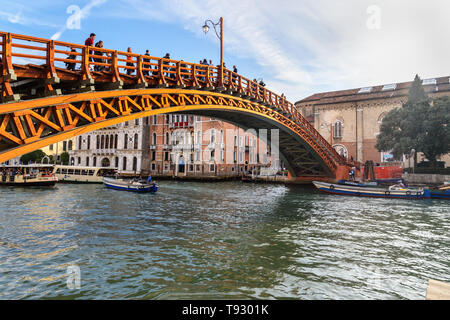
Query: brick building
[[350, 119]]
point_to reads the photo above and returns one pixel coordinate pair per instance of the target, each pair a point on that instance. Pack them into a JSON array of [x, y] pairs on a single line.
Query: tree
[[65, 158], [35, 156], [420, 124]]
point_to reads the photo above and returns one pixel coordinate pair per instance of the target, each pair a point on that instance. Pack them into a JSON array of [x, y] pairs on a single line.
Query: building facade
[[123, 147], [350, 119], [174, 145], [194, 146]]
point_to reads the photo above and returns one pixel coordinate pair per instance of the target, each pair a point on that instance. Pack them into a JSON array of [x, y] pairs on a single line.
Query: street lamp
[[220, 36]]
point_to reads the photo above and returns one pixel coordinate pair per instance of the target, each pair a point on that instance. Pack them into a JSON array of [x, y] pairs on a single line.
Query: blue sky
[[298, 47]]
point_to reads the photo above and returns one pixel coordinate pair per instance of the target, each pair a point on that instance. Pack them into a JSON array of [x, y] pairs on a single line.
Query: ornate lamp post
[[220, 36]]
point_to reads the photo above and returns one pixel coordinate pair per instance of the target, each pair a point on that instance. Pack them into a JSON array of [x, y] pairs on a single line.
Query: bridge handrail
[[145, 67]]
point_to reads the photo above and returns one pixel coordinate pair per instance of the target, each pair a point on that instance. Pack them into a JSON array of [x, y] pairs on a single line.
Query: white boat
[[31, 175], [133, 185], [77, 174]]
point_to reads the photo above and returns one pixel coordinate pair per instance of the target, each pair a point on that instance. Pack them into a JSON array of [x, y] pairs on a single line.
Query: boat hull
[[369, 192], [440, 194], [49, 183]]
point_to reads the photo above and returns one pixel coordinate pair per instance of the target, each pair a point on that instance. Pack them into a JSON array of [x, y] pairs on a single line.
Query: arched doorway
[[105, 163], [181, 165]]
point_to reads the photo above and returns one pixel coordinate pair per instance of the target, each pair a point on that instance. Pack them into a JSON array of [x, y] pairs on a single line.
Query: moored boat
[[395, 191], [441, 193], [133, 185], [33, 175]]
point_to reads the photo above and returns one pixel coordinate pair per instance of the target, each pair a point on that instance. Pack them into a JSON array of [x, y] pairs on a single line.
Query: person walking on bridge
[[147, 53], [130, 63], [90, 43]]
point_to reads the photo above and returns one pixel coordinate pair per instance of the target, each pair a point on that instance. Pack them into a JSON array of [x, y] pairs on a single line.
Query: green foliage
[[65, 158], [418, 125], [35, 156]]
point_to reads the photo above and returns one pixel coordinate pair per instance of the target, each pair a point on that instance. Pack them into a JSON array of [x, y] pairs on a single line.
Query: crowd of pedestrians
[[168, 71]]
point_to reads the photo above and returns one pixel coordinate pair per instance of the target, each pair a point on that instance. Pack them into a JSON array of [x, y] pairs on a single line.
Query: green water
[[219, 241]]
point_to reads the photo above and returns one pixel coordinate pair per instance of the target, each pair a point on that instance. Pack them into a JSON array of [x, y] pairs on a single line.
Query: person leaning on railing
[[71, 65], [98, 60]]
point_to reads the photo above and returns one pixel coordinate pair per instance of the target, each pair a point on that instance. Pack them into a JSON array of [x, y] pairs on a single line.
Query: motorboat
[[133, 185], [394, 191]]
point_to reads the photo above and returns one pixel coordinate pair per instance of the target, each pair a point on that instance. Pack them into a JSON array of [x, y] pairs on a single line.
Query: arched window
[[105, 163], [70, 144], [87, 161], [125, 142], [89, 143], [106, 142], [136, 122], [154, 138], [80, 140], [102, 143], [136, 140], [98, 142], [79, 161], [94, 162], [124, 165], [167, 140], [134, 164], [72, 161], [116, 138], [337, 133], [116, 162], [111, 141]]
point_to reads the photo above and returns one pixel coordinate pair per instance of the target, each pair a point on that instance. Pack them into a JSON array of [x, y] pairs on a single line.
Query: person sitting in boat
[[352, 175], [149, 179]]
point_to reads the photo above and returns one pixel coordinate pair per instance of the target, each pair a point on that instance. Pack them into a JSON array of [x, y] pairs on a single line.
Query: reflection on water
[[219, 241]]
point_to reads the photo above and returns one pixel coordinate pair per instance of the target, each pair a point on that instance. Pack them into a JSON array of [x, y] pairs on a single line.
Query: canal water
[[218, 241]]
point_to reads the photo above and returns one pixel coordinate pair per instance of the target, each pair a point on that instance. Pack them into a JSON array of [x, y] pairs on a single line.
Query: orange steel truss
[[46, 103]]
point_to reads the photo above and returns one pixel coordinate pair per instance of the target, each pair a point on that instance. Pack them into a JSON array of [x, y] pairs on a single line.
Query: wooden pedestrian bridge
[[43, 102]]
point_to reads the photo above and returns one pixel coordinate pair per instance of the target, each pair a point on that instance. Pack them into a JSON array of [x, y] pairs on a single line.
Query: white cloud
[[83, 14]]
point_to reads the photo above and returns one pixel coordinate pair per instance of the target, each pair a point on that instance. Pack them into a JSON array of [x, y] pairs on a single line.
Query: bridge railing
[[86, 62]]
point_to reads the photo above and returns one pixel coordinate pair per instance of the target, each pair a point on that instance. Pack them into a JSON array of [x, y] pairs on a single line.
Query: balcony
[[167, 147], [180, 125]]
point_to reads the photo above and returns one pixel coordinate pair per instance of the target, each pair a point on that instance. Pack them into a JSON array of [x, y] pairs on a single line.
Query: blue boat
[[393, 192], [133, 185], [441, 193]]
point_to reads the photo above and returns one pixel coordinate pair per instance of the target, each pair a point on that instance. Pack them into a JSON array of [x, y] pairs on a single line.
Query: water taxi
[[31, 175], [360, 190], [134, 185], [76, 174]]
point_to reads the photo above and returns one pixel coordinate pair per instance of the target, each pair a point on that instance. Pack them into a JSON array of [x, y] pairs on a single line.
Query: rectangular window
[[212, 167]]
